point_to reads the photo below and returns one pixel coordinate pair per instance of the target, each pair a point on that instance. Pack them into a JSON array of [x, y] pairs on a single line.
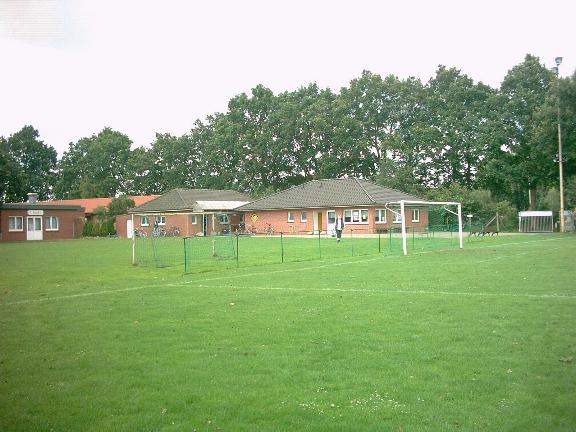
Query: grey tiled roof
[[330, 193], [186, 199]]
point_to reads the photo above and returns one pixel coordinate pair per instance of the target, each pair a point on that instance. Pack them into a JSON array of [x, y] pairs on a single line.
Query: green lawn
[[473, 339]]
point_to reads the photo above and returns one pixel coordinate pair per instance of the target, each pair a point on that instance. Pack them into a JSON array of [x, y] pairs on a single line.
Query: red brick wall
[[70, 224], [278, 219]]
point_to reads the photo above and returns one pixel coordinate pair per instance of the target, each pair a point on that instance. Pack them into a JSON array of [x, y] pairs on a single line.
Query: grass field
[[473, 339]]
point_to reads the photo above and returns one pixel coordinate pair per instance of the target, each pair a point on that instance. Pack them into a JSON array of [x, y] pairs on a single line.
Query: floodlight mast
[[558, 61]]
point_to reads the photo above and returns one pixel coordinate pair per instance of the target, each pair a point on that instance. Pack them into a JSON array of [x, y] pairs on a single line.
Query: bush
[[99, 228]]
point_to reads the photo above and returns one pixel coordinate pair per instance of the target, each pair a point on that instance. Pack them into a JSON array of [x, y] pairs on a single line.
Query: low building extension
[[34, 220], [187, 212]]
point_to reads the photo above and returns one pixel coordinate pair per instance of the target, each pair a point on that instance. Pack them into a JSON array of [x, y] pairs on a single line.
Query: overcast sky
[[72, 67]]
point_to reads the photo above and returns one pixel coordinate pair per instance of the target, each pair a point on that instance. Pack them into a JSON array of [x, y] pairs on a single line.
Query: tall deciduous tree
[[95, 166], [518, 166], [26, 165]]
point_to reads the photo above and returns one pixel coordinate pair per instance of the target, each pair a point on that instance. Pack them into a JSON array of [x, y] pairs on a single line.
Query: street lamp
[[560, 168]]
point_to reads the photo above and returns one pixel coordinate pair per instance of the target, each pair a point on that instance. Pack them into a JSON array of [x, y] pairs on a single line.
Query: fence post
[[319, 246], [237, 251], [282, 245], [185, 257], [352, 240], [379, 242], [413, 247]]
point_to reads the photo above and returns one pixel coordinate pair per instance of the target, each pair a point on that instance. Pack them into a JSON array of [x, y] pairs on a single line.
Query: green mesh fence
[[157, 251], [209, 253], [200, 254]]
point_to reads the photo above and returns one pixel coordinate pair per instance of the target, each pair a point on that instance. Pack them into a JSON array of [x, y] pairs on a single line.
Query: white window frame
[[347, 216], [161, 220], [380, 216], [397, 217], [144, 220], [415, 215], [194, 220], [354, 216], [49, 225], [290, 216], [223, 219], [303, 216], [14, 224]]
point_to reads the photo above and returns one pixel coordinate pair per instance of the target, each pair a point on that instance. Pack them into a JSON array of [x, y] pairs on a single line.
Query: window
[[290, 216], [397, 216], [161, 220], [194, 220], [380, 216], [356, 216], [303, 216], [347, 216], [242, 218], [223, 218], [52, 223], [415, 215], [331, 216], [15, 223], [144, 220]]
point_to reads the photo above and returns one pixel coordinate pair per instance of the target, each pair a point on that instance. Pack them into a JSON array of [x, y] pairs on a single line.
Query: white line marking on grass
[[89, 294], [376, 291], [517, 254], [263, 273], [359, 261]]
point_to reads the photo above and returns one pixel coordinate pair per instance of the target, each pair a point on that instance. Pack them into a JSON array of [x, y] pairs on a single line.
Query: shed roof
[[196, 200], [344, 192], [40, 206]]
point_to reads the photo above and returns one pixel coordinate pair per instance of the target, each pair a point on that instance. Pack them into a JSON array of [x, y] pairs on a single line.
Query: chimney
[[32, 198]]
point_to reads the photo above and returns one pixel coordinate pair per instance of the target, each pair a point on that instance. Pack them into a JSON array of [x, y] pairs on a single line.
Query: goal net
[[426, 220]]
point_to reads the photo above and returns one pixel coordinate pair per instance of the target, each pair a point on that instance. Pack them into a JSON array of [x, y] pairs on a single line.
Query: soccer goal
[[447, 207], [535, 221]]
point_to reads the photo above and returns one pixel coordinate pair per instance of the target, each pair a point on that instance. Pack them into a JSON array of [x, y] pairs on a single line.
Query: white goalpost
[[403, 204]]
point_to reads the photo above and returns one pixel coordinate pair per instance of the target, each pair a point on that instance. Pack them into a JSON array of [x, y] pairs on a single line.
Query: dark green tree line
[[403, 133]]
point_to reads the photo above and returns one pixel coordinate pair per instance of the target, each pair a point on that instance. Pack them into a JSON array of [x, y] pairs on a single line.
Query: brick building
[[188, 212], [313, 206], [35, 220]]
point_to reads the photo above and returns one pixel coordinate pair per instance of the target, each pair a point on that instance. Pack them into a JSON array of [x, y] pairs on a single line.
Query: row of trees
[[449, 133]]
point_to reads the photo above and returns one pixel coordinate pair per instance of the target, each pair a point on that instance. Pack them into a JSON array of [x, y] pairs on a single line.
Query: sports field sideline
[[477, 339]]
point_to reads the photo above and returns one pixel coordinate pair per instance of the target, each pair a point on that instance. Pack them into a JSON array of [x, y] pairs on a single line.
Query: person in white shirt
[[339, 226]]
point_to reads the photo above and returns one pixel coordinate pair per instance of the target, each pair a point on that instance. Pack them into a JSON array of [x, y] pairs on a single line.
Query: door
[[129, 228], [331, 219], [34, 228], [317, 221]]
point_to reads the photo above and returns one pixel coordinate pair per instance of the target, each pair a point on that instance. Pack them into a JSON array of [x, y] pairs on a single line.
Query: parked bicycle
[[140, 232]]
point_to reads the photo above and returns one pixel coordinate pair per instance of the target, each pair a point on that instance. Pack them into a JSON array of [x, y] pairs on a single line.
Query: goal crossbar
[[403, 204]]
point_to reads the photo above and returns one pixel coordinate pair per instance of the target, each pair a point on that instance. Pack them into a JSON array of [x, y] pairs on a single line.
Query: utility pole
[[560, 167]]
